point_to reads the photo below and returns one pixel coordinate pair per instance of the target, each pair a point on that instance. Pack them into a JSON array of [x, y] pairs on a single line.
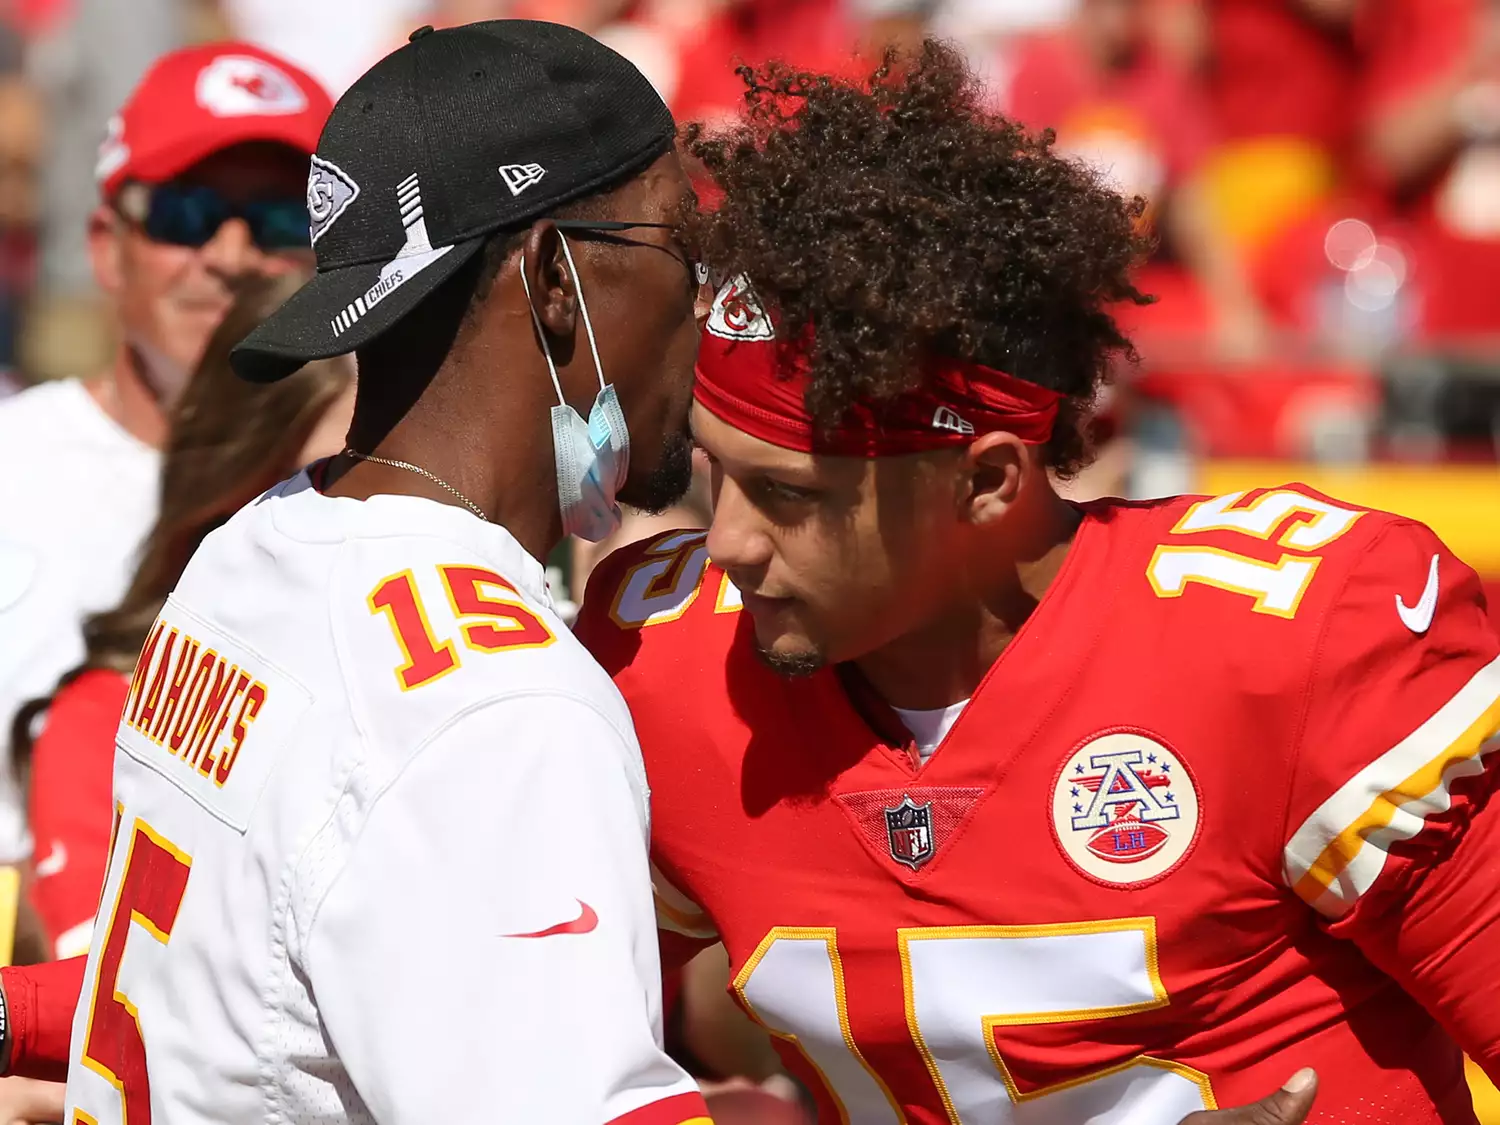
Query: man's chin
[[667, 483], [792, 663]]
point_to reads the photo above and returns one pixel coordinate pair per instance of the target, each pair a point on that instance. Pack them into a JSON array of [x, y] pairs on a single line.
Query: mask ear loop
[[583, 307], [541, 333]]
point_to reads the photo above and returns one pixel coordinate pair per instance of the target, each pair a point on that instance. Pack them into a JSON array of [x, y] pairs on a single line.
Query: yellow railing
[[1461, 503]]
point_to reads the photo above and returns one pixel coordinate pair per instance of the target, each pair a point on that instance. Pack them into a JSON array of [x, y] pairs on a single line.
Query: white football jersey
[[381, 844], [77, 496]]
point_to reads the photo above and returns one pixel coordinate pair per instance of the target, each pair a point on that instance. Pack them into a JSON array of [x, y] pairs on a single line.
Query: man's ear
[[106, 238], [554, 289], [998, 465]]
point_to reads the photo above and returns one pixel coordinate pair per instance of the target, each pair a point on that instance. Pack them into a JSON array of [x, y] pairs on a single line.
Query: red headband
[[757, 385]]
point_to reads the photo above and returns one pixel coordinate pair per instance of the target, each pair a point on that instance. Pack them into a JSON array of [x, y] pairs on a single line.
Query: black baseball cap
[[459, 133]]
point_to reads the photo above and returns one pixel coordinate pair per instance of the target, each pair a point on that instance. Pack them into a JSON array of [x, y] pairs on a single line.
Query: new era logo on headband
[[945, 419], [519, 177]]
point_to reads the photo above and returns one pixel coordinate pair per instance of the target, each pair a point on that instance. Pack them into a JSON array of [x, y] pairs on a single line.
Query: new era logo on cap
[[519, 177]]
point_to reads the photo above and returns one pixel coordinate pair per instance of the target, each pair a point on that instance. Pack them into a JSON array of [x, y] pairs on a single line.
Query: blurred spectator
[[1119, 102], [203, 184], [85, 57], [1431, 133], [986, 29], [1282, 76], [1408, 246], [690, 48], [21, 141], [811, 34], [229, 441], [334, 40]]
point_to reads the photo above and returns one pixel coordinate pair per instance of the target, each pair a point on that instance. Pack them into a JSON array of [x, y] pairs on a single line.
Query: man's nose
[[231, 252], [737, 537]]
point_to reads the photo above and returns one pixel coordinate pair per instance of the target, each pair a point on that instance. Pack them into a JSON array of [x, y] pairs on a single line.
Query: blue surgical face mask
[[593, 457]]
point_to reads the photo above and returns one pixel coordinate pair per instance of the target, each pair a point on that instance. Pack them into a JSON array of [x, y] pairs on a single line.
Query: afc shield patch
[[908, 829], [1125, 808]]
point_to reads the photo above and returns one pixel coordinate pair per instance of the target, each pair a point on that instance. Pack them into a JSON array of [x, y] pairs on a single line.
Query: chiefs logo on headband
[[757, 384], [737, 313]]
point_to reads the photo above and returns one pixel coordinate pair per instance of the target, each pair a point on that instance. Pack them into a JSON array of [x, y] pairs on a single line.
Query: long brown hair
[[229, 440]]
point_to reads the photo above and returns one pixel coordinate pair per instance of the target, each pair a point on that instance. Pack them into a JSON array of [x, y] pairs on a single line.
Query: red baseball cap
[[199, 100]]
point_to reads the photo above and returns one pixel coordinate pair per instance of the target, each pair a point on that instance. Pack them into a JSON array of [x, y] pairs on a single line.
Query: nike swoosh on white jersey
[[53, 862], [1418, 618]]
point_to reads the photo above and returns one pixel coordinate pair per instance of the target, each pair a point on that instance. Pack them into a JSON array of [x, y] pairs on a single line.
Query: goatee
[[793, 665]]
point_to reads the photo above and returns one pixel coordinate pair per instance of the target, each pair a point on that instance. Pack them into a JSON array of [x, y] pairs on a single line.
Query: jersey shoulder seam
[[1383, 527]]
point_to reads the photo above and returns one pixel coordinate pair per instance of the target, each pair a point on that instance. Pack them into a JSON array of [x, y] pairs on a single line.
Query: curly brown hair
[[905, 220]]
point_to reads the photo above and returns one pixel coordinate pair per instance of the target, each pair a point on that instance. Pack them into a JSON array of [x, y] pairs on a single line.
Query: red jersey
[[1145, 122], [1279, 71], [71, 805], [1218, 812]]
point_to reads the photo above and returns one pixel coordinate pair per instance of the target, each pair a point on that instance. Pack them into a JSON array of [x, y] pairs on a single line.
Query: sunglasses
[[700, 277], [191, 214]]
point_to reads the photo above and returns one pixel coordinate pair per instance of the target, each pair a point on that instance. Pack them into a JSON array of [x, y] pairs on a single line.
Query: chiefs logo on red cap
[[199, 100], [243, 86]]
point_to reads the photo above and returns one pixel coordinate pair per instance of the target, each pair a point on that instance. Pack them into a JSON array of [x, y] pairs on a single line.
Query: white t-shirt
[[77, 496], [382, 847], [929, 728]]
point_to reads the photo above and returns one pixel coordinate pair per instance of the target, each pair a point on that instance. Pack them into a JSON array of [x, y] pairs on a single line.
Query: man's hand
[[1287, 1106], [26, 1101]]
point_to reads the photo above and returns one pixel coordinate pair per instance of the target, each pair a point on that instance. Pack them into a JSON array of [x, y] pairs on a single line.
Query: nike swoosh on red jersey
[[53, 862], [585, 922]]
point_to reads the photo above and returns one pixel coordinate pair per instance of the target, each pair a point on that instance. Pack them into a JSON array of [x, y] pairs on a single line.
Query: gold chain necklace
[[421, 472]]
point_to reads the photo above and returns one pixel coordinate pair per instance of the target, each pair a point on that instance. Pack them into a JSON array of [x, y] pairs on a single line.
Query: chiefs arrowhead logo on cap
[[244, 86], [737, 313], [330, 190]]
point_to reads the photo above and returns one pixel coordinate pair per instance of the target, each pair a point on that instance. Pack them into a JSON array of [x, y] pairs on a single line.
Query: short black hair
[[903, 219]]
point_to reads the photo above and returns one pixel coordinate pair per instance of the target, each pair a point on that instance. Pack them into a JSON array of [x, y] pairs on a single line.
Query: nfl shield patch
[[908, 828]]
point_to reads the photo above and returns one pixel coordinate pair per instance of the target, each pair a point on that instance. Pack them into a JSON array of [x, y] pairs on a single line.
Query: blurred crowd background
[[1323, 184], [1323, 178]]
